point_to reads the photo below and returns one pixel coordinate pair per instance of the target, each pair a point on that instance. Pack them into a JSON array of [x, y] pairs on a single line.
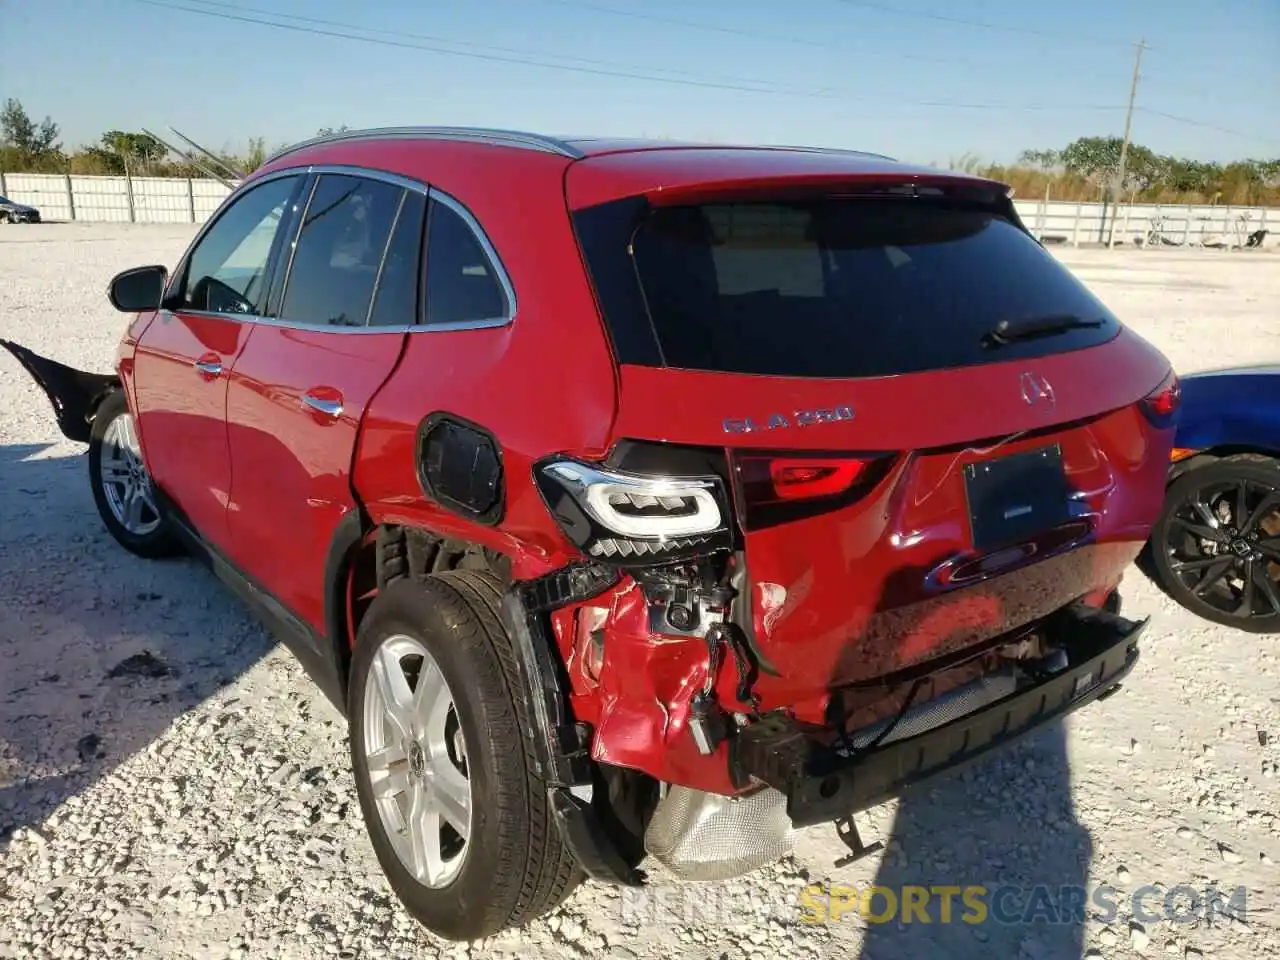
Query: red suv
[[635, 498]]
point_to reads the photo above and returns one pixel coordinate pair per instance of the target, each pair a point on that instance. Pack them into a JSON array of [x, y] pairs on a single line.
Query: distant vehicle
[[13, 212], [1216, 547], [634, 497]]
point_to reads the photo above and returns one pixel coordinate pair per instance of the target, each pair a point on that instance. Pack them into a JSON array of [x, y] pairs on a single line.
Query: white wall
[[171, 200], [110, 199], [1090, 223]]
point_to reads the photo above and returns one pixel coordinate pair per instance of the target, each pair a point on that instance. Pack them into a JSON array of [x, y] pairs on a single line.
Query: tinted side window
[[227, 269], [396, 302], [335, 262], [462, 282]]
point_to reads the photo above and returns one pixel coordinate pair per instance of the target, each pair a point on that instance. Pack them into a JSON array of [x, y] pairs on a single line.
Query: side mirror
[[138, 289]]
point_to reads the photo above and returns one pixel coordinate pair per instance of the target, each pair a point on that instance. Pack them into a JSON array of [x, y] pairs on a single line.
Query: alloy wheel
[[124, 478], [1223, 546], [416, 761]]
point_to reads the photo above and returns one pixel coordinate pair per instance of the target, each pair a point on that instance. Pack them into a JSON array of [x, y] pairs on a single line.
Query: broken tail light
[[623, 517], [1162, 404], [775, 489]]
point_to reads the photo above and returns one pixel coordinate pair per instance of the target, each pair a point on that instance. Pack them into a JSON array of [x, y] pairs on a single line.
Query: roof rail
[[839, 151], [505, 138]]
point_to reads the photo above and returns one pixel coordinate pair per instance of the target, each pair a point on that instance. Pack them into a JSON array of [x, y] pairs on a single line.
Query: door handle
[[329, 407], [210, 368]]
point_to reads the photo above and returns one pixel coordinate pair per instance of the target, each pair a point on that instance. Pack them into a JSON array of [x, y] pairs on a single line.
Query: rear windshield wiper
[[1011, 331]]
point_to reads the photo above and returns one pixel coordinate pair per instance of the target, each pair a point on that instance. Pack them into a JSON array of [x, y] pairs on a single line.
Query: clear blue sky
[[824, 72]]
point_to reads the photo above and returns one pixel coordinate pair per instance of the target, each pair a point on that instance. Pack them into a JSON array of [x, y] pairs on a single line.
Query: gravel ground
[[171, 785]]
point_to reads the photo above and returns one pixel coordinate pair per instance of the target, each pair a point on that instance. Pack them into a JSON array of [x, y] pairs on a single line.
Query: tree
[[19, 131], [132, 150], [1098, 159], [1040, 159], [254, 157]]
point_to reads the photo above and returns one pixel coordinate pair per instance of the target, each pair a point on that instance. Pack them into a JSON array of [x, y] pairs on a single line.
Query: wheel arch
[[364, 556], [1216, 452]]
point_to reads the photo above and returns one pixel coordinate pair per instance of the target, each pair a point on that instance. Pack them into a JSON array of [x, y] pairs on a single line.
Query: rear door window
[[340, 246], [849, 287]]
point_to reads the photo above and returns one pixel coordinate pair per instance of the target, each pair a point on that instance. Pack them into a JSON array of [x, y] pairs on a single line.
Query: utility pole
[[1118, 188]]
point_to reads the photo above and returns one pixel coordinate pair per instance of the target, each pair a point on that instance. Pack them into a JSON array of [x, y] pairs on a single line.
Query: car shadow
[[1008, 825], [1001, 831], [100, 651]]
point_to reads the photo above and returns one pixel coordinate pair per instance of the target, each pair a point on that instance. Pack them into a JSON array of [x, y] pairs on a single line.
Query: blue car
[[1216, 547]]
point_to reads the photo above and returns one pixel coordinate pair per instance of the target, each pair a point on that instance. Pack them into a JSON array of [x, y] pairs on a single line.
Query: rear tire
[[122, 490], [1243, 544], [512, 866]]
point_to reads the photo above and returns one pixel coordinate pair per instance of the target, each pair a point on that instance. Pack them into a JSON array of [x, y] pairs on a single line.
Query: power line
[[886, 8], [842, 48], [517, 51], [619, 71], [1202, 123], [983, 24]]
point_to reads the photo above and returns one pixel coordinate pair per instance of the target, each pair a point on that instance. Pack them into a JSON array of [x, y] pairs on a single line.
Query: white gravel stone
[[220, 818]]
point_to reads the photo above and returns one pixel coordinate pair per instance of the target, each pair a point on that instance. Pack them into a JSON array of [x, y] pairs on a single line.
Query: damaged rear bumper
[[822, 783]]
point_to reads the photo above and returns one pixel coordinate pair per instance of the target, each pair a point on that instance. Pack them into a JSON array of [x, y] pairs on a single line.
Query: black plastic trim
[[561, 746], [280, 259], [74, 394], [491, 515], [584, 833], [347, 536], [822, 785]]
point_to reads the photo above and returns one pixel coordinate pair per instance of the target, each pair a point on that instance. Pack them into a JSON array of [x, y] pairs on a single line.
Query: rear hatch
[[909, 477]]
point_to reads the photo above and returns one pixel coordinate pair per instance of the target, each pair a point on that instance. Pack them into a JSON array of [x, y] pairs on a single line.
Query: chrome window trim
[[370, 173], [367, 173]]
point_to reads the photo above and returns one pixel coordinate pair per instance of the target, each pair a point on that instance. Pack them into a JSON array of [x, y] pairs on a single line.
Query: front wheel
[[122, 489], [1216, 547], [456, 814]]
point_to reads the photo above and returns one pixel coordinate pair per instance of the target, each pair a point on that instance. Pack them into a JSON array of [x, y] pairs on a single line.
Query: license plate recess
[[1013, 498]]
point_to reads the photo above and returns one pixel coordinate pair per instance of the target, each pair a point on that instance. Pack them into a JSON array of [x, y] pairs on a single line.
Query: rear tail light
[[1162, 404], [776, 489], [623, 517]]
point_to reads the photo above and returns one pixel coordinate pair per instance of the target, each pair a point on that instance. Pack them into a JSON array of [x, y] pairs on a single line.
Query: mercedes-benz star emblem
[[1036, 390]]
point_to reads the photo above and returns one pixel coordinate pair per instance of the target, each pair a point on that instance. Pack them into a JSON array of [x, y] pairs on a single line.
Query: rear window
[[840, 287]]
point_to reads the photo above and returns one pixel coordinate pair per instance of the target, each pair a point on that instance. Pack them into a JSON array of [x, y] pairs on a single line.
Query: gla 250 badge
[[779, 421]]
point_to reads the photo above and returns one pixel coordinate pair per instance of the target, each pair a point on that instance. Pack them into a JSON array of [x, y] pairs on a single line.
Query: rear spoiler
[[886, 184]]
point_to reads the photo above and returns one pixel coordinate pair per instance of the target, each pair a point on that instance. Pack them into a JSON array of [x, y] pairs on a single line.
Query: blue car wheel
[[1216, 548]]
